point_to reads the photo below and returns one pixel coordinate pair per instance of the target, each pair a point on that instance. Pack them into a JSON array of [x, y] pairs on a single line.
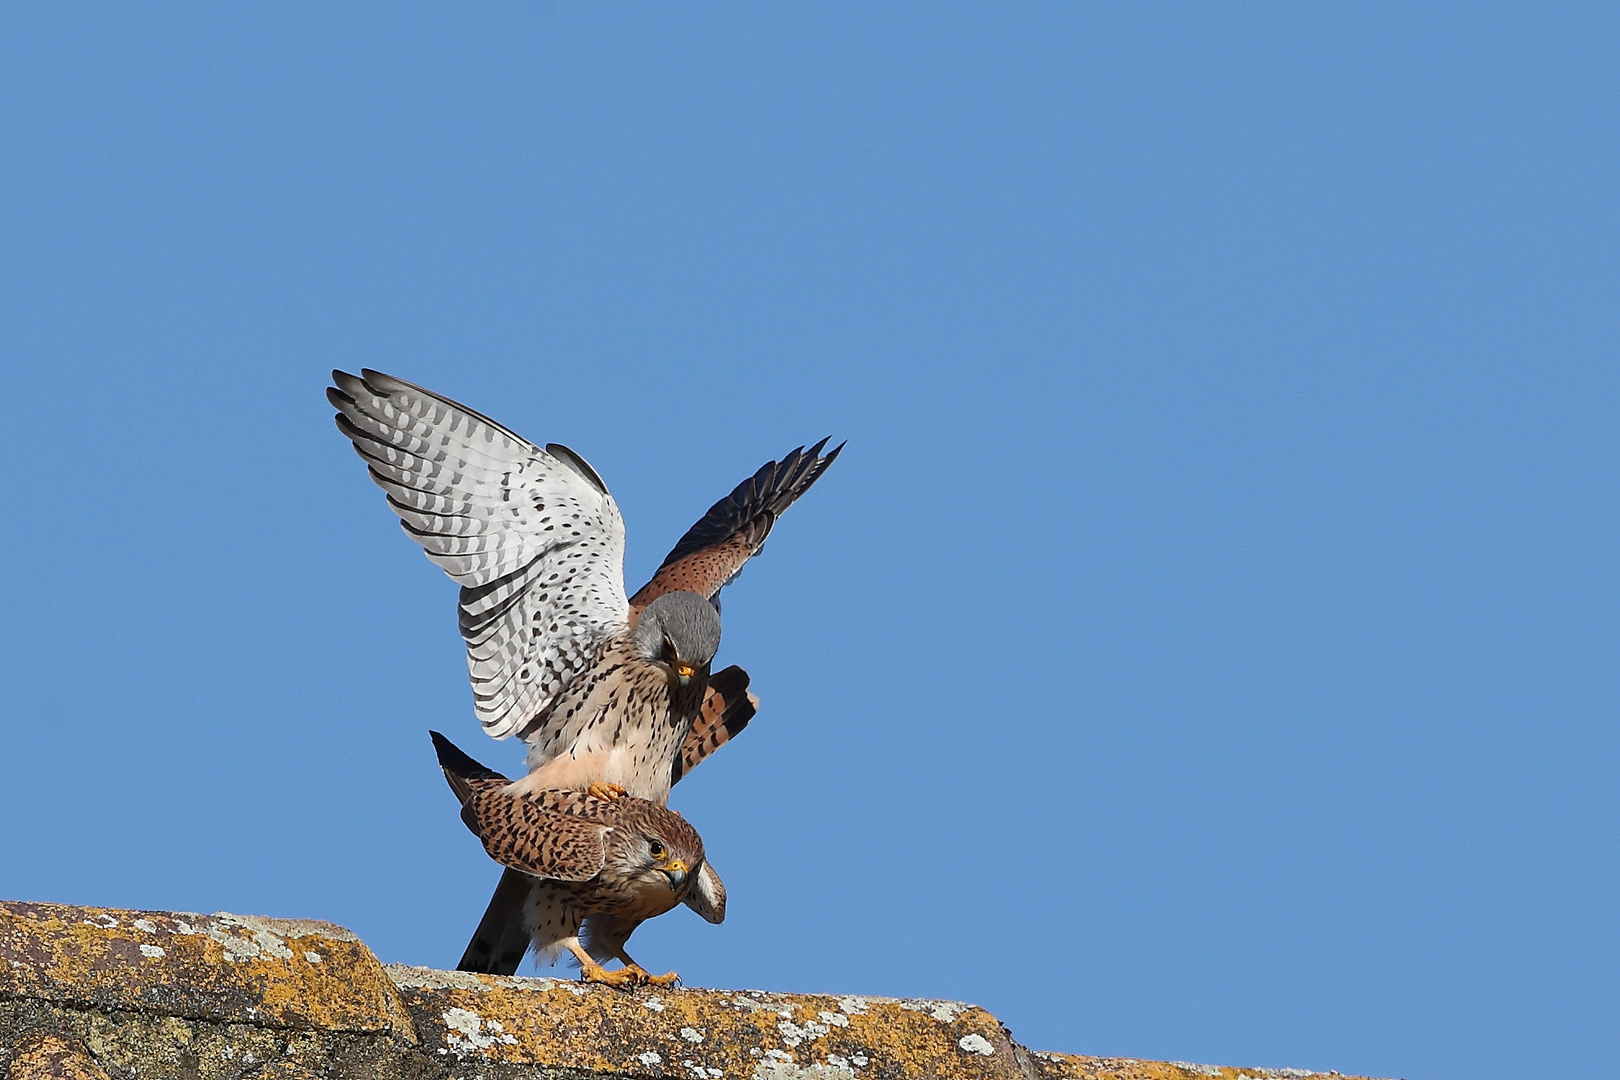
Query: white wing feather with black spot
[[531, 534]]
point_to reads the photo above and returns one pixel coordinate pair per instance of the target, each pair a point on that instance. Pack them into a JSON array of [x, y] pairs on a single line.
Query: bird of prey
[[610, 693], [616, 861]]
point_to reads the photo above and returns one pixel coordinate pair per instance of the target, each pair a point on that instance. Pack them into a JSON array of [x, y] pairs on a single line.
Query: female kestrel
[[617, 862]]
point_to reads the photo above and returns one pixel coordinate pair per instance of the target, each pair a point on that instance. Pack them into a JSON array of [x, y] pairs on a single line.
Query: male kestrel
[[609, 693], [615, 861]]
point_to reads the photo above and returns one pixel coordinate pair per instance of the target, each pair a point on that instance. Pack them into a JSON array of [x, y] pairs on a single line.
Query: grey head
[[680, 630]]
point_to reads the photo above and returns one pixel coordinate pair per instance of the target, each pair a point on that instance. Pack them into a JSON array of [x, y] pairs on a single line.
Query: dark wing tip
[[385, 385], [774, 487], [732, 683], [347, 391], [579, 464]]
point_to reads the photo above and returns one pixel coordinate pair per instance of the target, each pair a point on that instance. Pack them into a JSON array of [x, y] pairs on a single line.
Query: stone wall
[[118, 995]]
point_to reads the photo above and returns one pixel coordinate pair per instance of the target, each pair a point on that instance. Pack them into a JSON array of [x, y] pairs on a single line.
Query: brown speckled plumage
[[616, 862]]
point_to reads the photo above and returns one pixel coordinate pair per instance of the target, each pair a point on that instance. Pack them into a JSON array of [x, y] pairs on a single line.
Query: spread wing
[[713, 551], [536, 834], [531, 535]]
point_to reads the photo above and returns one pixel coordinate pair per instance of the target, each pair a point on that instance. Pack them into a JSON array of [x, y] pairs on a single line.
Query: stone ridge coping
[[709, 1033], [284, 973], [319, 979]]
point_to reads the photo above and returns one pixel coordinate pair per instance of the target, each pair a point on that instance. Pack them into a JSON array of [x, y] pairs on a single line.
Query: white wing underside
[[533, 539]]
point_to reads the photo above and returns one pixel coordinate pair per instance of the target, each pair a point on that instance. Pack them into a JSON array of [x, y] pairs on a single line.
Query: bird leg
[[592, 972], [604, 790], [669, 978]]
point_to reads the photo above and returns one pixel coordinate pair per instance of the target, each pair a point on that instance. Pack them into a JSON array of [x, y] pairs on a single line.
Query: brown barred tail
[[727, 708], [498, 945]]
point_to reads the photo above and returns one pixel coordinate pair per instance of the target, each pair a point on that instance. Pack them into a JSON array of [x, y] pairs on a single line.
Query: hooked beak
[[684, 673], [676, 872]]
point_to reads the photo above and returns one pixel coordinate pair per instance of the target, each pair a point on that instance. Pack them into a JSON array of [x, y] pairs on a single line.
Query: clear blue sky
[[1205, 648]]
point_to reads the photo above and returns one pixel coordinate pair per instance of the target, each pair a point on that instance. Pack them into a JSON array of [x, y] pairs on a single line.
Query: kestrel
[[609, 693], [615, 861]]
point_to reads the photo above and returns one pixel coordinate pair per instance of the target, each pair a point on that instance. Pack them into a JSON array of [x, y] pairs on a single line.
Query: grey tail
[[498, 945]]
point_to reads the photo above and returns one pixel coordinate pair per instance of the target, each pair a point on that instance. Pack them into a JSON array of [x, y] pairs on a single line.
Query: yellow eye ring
[[656, 849]]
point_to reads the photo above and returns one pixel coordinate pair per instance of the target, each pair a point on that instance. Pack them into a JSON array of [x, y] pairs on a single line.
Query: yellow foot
[[669, 978], [595, 973], [603, 790]]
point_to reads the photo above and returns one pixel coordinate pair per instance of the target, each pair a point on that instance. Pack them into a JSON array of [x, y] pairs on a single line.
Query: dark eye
[[656, 849]]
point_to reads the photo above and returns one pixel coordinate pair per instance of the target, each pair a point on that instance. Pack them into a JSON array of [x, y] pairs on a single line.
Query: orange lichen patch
[[273, 972], [45, 1056], [702, 1033], [1070, 1067]]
